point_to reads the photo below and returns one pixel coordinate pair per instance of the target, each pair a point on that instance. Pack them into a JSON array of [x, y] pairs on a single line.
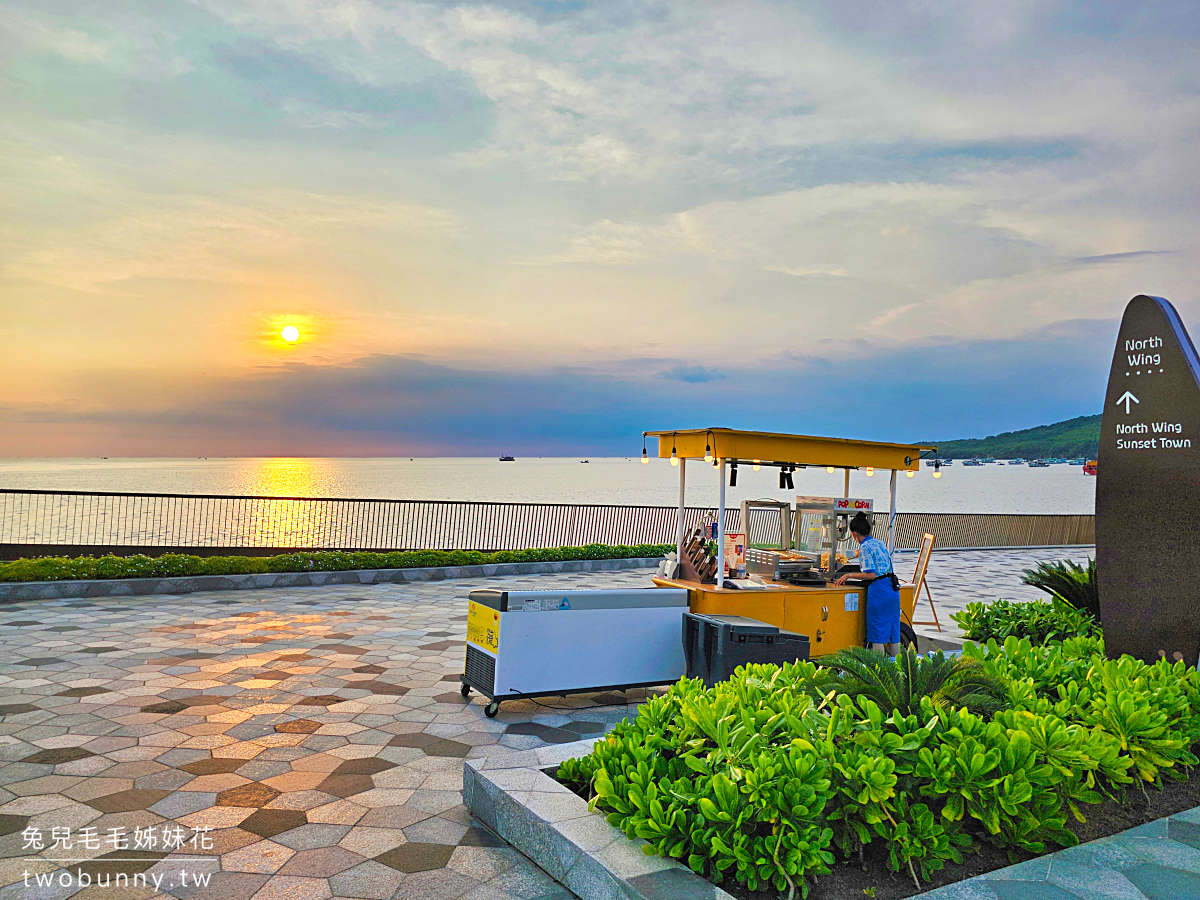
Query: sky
[[544, 227]]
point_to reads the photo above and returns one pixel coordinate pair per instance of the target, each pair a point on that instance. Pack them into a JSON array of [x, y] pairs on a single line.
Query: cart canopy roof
[[771, 448]]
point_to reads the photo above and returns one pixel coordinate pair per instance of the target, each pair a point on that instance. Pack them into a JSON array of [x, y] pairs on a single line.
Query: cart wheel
[[491, 709], [465, 690], [908, 638]]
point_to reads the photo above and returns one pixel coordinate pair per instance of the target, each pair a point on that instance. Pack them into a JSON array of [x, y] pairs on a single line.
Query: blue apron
[[883, 610]]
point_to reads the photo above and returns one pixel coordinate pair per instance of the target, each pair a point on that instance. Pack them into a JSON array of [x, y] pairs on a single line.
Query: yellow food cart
[[832, 617]]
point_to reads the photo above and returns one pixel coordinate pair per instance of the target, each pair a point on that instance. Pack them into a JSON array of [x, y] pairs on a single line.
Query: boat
[[1038, 464], [947, 462], [585, 460], [1076, 462], [508, 459], [1090, 467], [1016, 462], [972, 462], [987, 460]]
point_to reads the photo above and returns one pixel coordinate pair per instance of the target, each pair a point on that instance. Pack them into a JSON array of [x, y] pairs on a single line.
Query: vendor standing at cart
[[883, 589]]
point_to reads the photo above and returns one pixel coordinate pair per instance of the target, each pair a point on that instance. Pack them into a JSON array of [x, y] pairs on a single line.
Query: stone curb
[[133, 587], [553, 827]]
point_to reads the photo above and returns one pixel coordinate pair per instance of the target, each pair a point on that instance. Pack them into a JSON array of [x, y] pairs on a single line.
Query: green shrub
[[55, 568], [1072, 583], [764, 779], [1040, 621]]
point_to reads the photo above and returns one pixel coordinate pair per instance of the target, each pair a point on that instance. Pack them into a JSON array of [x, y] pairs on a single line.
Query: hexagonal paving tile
[[83, 691], [298, 726], [252, 794], [414, 857], [168, 707], [58, 755], [213, 766], [127, 801], [320, 700], [270, 822], [448, 748]]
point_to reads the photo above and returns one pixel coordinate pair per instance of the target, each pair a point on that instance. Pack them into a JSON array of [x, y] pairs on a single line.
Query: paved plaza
[[287, 744]]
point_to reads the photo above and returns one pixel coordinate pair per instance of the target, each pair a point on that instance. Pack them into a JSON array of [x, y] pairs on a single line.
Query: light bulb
[[937, 473], [645, 458], [708, 457], [910, 473], [674, 458], [756, 465], [716, 464], [829, 469], [870, 470]]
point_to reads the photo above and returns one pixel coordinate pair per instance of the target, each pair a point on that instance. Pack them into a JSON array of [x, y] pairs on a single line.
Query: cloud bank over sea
[[546, 226]]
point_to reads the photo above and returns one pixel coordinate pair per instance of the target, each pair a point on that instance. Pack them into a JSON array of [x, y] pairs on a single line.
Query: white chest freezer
[[542, 643]]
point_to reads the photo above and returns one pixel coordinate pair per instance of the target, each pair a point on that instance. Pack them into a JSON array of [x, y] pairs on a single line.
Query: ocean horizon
[[602, 480]]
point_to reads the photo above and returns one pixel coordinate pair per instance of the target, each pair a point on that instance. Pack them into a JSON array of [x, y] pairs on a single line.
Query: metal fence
[[73, 522]]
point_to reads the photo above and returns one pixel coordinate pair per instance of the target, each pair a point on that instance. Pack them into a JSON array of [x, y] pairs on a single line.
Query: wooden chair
[[919, 581]]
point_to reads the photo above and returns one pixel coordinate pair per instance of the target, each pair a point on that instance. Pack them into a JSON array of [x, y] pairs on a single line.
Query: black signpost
[[1148, 489]]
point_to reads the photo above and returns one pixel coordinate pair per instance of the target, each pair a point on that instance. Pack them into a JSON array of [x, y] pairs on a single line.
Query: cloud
[[408, 405], [1119, 257], [691, 374], [580, 192]]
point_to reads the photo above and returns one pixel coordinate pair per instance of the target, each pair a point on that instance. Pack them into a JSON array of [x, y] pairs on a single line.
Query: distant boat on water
[[1090, 467], [585, 460], [1038, 464], [508, 459], [1016, 462]]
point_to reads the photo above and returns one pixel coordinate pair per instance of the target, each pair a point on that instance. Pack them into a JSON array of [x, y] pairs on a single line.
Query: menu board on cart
[[735, 555]]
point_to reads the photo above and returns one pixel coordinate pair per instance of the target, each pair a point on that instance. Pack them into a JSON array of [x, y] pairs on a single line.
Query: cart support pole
[[846, 491], [679, 527], [892, 514], [721, 529]]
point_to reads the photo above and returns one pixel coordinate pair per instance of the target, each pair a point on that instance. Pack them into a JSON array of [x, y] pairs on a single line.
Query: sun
[[290, 333]]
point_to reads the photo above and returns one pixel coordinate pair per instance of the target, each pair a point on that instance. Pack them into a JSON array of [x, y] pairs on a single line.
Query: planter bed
[[1109, 818], [928, 770]]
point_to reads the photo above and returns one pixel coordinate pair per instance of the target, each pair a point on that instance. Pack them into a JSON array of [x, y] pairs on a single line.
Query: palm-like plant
[[899, 686], [1074, 584]]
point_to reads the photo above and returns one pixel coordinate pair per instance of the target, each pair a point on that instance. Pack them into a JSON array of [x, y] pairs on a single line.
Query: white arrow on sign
[[1126, 398]]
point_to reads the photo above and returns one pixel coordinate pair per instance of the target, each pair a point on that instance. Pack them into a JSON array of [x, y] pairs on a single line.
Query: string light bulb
[[910, 473], [708, 457], [870, 471], [757, 465], [674, 458], [937, 473], [645, 458], [830, 469]]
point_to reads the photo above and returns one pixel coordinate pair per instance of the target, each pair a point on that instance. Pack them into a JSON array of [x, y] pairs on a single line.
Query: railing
[[74, 522]]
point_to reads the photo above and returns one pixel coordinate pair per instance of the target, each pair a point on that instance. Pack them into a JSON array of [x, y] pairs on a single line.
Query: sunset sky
[[546, 226]]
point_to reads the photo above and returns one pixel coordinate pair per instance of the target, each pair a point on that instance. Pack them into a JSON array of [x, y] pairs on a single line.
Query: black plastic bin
[[713, 646]]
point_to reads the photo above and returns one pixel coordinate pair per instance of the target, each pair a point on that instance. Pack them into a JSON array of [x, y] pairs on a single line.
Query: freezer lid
[[743, 625], [497, 600], [566, 601]]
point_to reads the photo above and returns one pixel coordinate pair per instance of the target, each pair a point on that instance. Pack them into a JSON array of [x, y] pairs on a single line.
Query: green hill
[[1072, 438]]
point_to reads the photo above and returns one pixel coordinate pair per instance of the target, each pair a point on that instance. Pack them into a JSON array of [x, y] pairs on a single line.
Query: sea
[[994, 488]]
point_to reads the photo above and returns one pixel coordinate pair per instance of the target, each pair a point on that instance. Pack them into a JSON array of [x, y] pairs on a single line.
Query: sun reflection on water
[[288, 477]]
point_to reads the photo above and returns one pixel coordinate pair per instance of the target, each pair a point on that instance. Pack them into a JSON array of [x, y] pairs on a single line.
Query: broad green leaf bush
[[770, 777], [1038, 620], [55, 568]]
